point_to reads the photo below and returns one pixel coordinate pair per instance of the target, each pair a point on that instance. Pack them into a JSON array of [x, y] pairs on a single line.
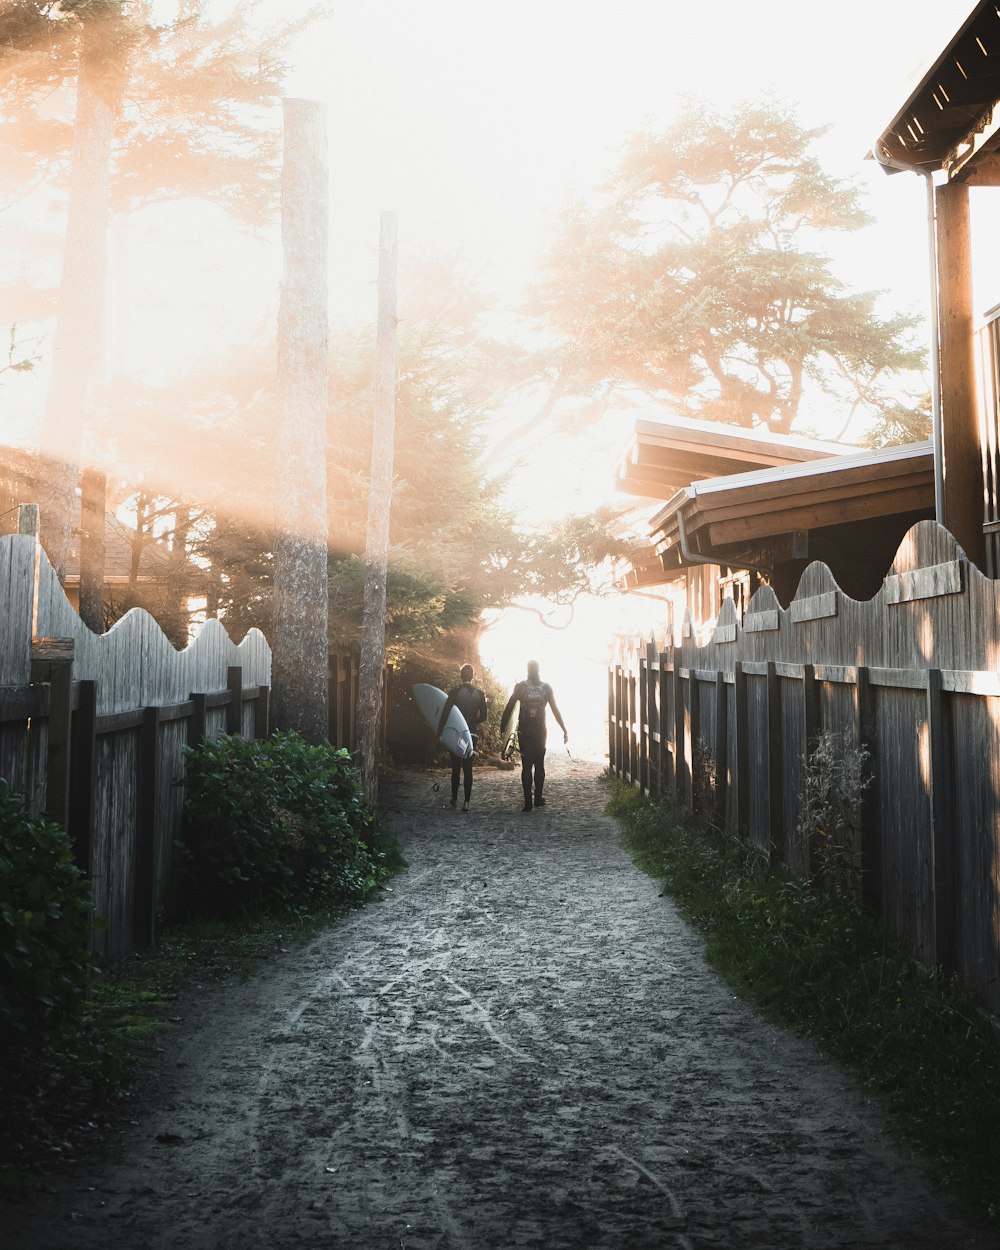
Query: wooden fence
[[344, 675], [92, 730], [910, 675]]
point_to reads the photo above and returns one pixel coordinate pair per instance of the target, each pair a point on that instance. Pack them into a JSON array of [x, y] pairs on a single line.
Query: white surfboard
[[508, 732], [456, 735]]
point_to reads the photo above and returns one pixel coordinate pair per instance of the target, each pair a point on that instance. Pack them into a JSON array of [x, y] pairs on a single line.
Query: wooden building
[[948, 130], [740, 508]]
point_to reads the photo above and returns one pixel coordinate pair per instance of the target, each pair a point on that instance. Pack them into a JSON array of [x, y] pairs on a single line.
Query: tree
[[700, 278], [161, 112], [301, 602], [372, 666]]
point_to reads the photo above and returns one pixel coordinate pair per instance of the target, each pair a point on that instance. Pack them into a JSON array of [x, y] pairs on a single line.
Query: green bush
[[44, 928], [274, 825]]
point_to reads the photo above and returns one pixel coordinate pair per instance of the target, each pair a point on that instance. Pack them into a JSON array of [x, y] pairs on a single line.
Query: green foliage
[[701, 277], [44, 929], [418, 607], [809, 959], [275, 824], [829, 819]]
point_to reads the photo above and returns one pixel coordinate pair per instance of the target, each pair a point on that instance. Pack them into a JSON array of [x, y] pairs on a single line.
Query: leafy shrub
[[44, 927], [274, 825], [829, 817]]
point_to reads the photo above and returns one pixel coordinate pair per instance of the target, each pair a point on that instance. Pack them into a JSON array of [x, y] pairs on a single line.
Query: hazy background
[[475, 122]]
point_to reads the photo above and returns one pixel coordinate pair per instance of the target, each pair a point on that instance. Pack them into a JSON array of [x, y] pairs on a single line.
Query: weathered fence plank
[[92, 730], [911, 676]]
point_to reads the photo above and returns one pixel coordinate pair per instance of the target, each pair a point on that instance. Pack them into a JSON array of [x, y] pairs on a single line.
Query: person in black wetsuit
[[534, 696], [471, 702]]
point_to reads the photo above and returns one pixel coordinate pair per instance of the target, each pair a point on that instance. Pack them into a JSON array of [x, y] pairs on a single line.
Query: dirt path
[[521, 1046]]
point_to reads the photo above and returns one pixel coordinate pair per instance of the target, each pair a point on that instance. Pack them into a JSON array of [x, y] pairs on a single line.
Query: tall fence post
[[652, 722], [775, 778], [741, 711], [941, 795], [146, 857], [810, 736], [663, 682], [678, 778], [721, 750], [611, 720], [52, 663], [262, 713], [234, 708], [83, 774], [871, 839], [642, 697], [697, 769], [197, 725]]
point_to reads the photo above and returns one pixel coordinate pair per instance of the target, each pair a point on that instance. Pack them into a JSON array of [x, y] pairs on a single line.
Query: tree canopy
[[700, 276]]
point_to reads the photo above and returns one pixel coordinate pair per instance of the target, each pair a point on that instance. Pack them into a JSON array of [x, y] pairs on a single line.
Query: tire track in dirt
[[521, 1046]]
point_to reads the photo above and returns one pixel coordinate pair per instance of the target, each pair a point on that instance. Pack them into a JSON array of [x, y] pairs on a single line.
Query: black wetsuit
[[534, 697], [471, 702]]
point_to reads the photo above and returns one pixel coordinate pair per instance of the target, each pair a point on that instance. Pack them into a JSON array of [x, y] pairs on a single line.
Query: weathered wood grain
[[913, 676]]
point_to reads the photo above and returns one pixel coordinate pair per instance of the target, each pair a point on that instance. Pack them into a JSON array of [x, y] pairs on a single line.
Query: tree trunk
[[78, 340], [301, 592], [93, 504], [372, 674]]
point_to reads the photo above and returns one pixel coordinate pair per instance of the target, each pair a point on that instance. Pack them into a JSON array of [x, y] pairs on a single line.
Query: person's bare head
[[467, 672], [533, 670]]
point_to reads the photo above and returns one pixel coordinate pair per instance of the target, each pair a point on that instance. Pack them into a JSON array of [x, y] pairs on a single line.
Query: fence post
[[262, 712], [234, 708], [721, 749], [52, 663], [643, 722], [775, 779], [83, 781], [663, 720], [633, 737], [148, 767], [941, 785], [871, 843], [678, 778], [197, 725], [742, 750], [611, 719], [652, 721], [810, 736], [694, 721]]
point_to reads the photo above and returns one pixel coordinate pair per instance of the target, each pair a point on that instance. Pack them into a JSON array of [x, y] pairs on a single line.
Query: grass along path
[[814, 964]]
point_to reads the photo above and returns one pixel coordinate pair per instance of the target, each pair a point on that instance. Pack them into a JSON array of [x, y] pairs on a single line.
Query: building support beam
[[962, 494]]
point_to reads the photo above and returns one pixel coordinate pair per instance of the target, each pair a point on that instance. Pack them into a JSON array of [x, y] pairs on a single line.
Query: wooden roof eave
[[947, 119], [728, 512]]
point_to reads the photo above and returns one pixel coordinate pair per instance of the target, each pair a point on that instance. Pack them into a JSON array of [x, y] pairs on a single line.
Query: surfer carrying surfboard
[[471, 702], [532, 697]]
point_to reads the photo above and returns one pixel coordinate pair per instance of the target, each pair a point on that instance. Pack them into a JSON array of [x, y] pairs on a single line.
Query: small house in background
[[139, 569], [136, 568], [738, 508]]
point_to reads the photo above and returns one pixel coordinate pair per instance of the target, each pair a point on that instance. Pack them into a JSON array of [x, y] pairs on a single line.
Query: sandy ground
[[521, 1046]]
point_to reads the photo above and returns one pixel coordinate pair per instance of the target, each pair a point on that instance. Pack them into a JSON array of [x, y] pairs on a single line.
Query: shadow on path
[[521, 1046]]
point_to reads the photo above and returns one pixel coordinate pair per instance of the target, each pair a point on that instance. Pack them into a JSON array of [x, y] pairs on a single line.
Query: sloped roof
[[667, 452], [153, 563], [947, 118], [726, 513]]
